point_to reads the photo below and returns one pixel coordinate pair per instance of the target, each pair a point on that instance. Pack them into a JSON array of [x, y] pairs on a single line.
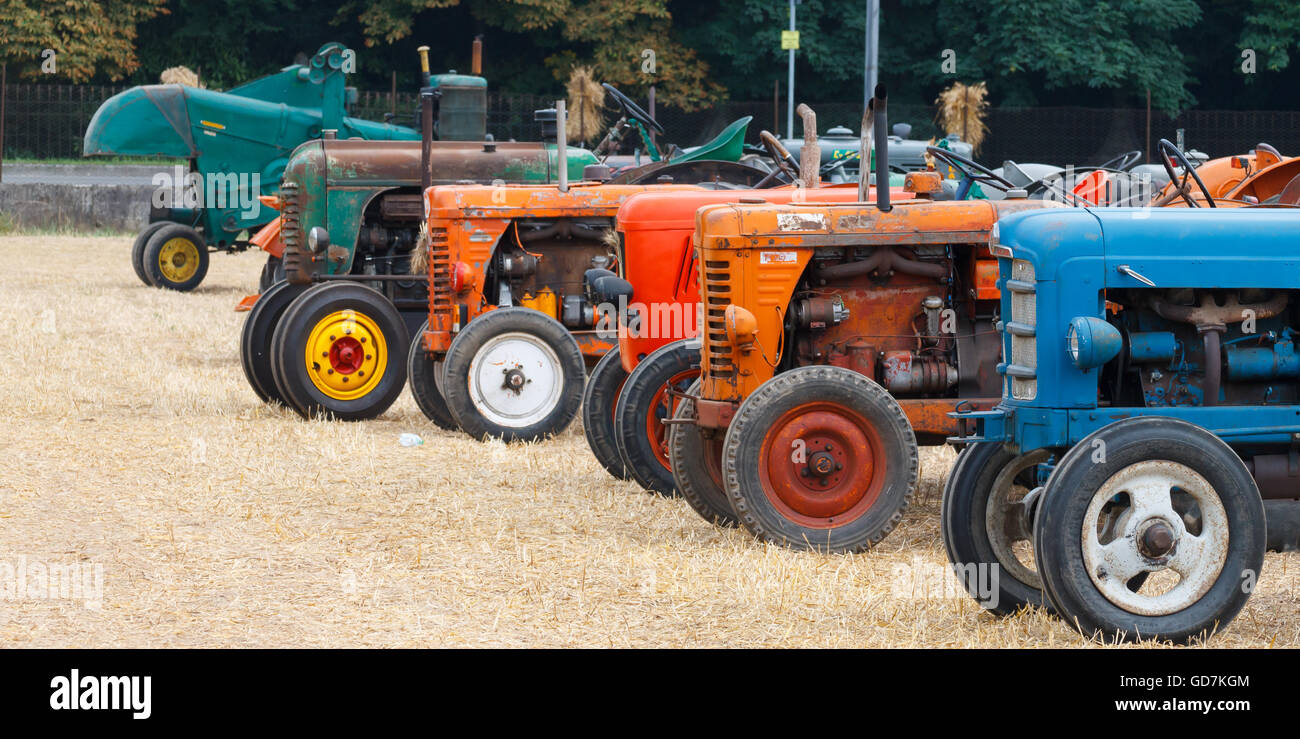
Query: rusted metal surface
[[468, 224], [917, 285]]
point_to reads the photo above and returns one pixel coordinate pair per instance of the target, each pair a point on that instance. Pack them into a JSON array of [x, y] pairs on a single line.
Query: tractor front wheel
[[137, 249], [1150, 528], [176, 258], [514, 374], [255, 339], [423, 371], [987, 524], [338, 351], [696, 462], [648, 399], [599, 402], [820, 458]]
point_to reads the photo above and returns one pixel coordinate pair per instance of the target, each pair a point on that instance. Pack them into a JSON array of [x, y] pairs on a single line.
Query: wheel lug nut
[[838, 466], [329, 371], [829, 447], [324, 354], [363, 339], [331, 337]]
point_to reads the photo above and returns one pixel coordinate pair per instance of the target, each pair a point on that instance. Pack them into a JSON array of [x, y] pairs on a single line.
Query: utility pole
[[871, 57], [789, 86]]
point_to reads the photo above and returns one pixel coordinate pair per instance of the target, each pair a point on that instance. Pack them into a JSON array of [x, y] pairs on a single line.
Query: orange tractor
[[1262, 177], [516, 275], [836, 338]]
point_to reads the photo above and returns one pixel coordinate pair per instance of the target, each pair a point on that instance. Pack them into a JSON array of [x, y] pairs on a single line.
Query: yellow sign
[[789, 40]]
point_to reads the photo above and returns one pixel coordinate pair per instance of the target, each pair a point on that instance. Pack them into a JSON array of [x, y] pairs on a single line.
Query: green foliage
[[89, 38], [1030, 52], [1271, 30]]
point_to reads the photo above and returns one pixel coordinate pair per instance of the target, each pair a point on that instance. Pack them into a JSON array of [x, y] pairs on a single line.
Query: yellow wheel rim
[[346, 355], [178, 259]]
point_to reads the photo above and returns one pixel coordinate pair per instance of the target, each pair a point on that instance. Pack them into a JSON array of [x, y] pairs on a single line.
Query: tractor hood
[[180, 121]]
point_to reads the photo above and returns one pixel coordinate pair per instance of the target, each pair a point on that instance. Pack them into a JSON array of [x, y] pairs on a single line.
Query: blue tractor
[[1150, 418]]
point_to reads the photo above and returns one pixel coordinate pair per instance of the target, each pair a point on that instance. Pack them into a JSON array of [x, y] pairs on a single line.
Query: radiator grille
[[296, 262], [440, 277], [1023, 330], [715, 292]]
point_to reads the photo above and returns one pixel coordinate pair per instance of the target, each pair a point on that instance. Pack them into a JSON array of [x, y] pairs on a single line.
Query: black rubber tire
[[1069, 491], [846, 389], [422, 375], [272, 273], [965, 530], [137, 249], [650, 377], [255, 339], [289, 345], [599, 402], [688, 451], [153, 247], [476, 334]]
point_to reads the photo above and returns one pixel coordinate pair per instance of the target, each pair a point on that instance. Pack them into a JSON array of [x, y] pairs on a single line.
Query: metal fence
[[48, 121]]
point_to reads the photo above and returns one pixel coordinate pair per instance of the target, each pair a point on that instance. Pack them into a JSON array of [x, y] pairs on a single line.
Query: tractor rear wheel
[[338, 351], [423, 371], [988, 528], [696, 462], [599, 403], [176, 258], [820, 458], [514, 374], [649, 398], [137, 249], [255, 339], [1150, 528]]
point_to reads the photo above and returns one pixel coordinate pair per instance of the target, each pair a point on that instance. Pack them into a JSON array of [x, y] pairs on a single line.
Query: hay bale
[[586, 98], [180, 75], [962, 109]]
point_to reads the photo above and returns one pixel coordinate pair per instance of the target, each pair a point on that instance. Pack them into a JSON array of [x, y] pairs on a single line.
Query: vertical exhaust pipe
[[562, 144], [810, 157], [426, 139], [881, 126], [476, 61]]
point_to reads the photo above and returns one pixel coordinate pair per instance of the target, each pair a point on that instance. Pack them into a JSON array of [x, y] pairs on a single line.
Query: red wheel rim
[[822, 465], [662, 406]]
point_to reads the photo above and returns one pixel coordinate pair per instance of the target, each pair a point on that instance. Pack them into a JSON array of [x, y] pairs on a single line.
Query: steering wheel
[[785, 161], [631, 109], [1168, 149], [972, 172], [1122, 162]]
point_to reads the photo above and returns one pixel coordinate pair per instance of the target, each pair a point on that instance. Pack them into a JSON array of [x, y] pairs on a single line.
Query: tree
[[630, 43], [88, 38]]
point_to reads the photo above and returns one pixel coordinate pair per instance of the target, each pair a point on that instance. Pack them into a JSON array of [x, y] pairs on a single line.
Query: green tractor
[[237, 144]]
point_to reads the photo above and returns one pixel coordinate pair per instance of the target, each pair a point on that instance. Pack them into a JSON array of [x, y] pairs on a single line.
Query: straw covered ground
[[131, 441]]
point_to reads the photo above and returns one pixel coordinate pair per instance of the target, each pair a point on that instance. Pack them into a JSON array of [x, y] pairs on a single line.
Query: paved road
[[82, 174]]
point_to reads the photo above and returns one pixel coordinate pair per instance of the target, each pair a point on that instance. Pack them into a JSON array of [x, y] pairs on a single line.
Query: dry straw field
[[131, 440]]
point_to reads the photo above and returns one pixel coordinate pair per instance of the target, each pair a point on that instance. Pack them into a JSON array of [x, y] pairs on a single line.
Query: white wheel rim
[[1197, 558], [507, 357]]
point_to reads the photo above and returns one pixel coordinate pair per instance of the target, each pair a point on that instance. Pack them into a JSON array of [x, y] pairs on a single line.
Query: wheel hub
[[178, 259], [514, 379], [346, 355], [1156, 540], [821, 465]]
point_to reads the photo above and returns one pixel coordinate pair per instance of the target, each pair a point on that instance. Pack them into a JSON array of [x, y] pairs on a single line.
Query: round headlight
[[318, 238], [1092, 342]]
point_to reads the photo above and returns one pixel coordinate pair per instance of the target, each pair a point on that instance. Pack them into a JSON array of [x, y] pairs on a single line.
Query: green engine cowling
[[366, 195]]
